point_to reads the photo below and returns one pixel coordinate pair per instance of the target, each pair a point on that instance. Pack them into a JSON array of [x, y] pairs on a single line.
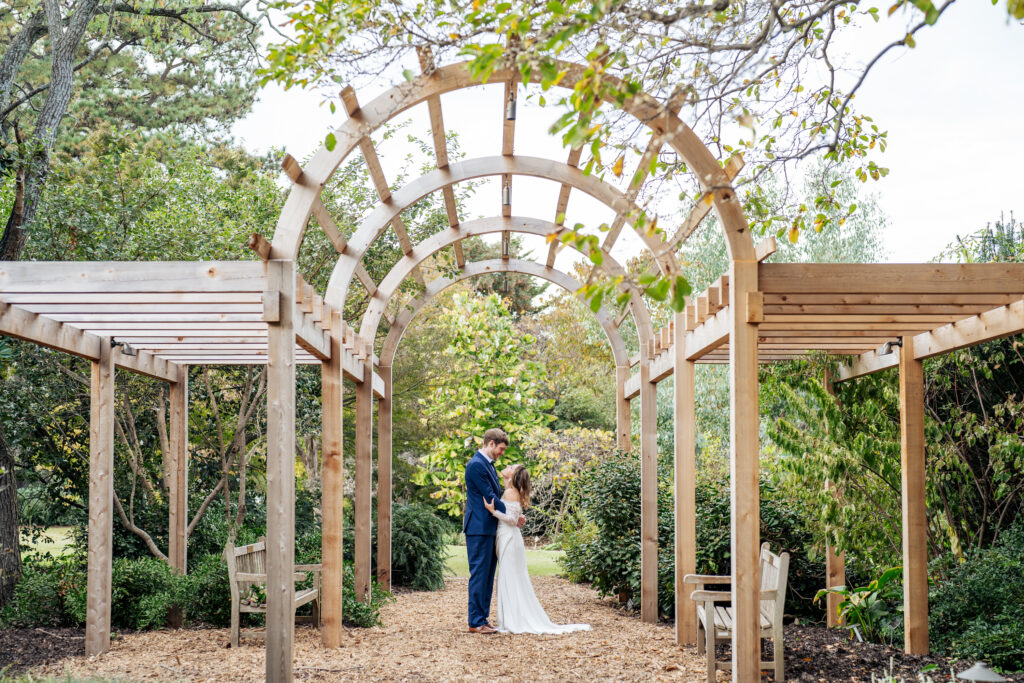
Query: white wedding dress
[[519, 611]]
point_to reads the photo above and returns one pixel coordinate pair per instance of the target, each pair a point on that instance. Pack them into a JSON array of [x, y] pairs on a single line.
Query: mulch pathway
[[424, 639]]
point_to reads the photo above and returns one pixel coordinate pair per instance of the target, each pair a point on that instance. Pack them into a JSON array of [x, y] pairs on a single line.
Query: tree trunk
[[63, 45], [10, 549]]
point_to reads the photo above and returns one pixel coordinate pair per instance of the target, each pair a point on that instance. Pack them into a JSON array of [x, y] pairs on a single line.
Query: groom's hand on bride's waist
[[521, 522]]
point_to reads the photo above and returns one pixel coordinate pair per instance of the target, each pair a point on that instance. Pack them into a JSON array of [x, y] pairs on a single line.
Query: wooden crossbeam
[[437, 131], [703, 207], [765, 248], [18, 323], [895, 278], [563, 204], [131, 276], [351, 102], [999, 322], [330, 228]]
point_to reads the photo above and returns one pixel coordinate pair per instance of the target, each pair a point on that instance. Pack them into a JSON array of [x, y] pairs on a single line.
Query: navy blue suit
[[480, 526]]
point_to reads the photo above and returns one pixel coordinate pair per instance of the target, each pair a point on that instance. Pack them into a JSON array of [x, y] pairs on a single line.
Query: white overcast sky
[[953, 107]]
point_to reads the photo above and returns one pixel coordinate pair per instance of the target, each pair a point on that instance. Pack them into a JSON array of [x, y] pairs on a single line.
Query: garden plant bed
[[24, 648], [816, 653]]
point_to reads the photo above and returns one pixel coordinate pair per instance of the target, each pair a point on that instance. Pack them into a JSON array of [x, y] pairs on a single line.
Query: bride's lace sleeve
[[511, 514]]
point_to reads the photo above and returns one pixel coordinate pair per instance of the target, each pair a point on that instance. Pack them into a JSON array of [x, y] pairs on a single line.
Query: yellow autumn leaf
[[552, 236], [617, 166], [708, 199], [793, 234]]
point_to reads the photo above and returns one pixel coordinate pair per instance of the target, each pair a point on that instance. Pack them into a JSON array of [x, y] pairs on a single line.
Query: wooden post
[[835, 575], [835, 564], [177, 528], [685, 485], [384, 481], [364, 481], [101, 501], [744, 421], [648, 491], [623, 429], [333, 497], [915, 520], [280, 618]]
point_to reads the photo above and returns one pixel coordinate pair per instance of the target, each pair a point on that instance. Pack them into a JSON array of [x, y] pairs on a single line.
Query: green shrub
[[977, 612], [208, 595], [601, 536], [418, 547], [38, 598]]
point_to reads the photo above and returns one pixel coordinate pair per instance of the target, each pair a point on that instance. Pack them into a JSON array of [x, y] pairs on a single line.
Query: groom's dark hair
[[496, 435]]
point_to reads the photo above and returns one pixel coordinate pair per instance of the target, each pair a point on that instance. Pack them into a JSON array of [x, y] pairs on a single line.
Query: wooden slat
[[896, 278], [623, 417], [508, 126], [101, 503], [703, 206], [563, 204], [380, 182], [765, 248], [999, 322], [915, 516], [46, 331], [131, 276]]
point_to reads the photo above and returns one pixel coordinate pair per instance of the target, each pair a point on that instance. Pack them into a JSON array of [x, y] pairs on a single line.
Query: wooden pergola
[[172, 315]]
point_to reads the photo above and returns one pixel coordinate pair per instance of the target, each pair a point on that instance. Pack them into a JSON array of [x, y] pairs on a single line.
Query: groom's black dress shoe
[[486, 629]]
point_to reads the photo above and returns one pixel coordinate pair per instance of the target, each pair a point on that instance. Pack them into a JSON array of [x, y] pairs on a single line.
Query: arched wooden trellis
[[667, 129], [262, 312]]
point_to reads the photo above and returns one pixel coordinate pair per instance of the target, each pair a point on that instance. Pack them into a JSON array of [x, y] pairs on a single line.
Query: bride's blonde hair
[[521, 483]]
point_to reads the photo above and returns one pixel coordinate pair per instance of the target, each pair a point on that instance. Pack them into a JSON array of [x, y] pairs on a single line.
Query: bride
[[519, 611]]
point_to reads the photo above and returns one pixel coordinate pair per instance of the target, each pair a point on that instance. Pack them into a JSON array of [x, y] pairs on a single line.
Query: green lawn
[[538, 562], [55, 540]]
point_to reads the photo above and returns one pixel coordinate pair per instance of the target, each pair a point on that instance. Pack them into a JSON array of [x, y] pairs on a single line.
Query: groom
[[480, 526]]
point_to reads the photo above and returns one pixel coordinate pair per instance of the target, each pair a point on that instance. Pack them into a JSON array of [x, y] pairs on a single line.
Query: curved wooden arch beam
[[295, 215], [375, 224], [478, 268], [483, 226]]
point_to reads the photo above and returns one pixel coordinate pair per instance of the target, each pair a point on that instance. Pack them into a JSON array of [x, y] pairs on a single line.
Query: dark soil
[[23, 648], [816, 653]]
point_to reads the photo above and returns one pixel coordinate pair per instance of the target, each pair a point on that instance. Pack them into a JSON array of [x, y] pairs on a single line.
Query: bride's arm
[[510, 518]]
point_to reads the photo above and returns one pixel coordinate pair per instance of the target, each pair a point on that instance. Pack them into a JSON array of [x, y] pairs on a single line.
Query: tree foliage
[[489, 384]]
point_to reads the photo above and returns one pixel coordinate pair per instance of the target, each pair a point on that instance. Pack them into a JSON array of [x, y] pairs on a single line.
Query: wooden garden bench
[[247, 567], [774, 573]]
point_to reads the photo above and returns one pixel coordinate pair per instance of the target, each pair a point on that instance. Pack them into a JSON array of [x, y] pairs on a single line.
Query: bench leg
[[780, 660], [700, 636], [709, 640], [316, 613], [234, 625]]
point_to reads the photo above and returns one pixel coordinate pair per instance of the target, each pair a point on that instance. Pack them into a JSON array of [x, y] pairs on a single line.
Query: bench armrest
[[711, 596], [705, 578], [307, 567]]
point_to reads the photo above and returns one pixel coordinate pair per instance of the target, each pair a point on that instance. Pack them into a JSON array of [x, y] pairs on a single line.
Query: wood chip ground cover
[[424, 638]]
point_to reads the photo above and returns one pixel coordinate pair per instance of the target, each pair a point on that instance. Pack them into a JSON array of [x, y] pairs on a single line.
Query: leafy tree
[[176, 64], [520, 291], [488, 383]]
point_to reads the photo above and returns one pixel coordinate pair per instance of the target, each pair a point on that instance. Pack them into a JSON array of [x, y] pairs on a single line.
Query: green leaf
[[330, 142]]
